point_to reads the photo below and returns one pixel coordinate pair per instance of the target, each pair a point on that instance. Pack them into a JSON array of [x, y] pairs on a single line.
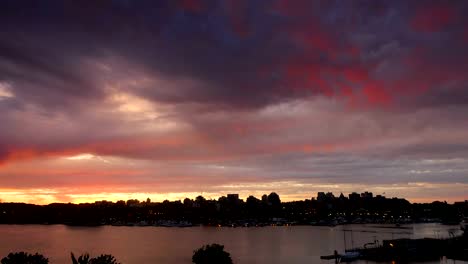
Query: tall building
[[321, 196], [233, 197], [354, 196]]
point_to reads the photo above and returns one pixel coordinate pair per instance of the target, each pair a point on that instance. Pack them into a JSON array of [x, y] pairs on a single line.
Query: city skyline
[[117, 100]]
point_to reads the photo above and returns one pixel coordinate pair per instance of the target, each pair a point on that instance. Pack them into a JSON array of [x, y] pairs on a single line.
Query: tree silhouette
[[24, 258], [200, 199], [273, 199], [102, 259], [211, 254], [83, 259]]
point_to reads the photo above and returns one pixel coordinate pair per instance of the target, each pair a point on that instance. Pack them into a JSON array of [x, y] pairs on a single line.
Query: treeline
[[231, 208]]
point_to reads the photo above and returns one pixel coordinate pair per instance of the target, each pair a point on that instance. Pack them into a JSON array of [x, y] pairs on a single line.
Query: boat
[[349, 256], [346, 257], [175, 224], [464, 224]]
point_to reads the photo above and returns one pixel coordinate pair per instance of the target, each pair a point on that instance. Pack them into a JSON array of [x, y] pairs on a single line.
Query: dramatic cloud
[[125, 99]]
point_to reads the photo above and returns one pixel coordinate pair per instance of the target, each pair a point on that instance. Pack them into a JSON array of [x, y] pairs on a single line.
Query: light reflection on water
[[150, 245]]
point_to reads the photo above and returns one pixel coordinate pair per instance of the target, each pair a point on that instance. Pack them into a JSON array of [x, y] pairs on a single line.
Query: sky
[[118, 99]]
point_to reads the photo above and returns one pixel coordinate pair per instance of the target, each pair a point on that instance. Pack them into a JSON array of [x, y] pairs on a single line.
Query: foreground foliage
[[208, 254], [102, 259], [211, 254], [24, 258]]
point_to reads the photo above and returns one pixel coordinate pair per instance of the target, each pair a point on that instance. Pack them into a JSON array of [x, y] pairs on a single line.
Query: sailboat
[[349, 255]]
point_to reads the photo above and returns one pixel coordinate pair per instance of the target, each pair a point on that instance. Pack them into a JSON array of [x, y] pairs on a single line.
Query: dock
[[406, 249]]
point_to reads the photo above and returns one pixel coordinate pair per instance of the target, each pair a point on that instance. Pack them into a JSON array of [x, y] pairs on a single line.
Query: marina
[[405, 249]]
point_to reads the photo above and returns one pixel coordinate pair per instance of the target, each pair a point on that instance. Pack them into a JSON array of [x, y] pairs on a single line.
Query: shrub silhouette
[[83, 259], [102, 259], [211, 254], [24, 258]]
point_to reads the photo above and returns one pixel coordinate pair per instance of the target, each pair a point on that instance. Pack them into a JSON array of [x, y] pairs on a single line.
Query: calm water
[[151, 245]]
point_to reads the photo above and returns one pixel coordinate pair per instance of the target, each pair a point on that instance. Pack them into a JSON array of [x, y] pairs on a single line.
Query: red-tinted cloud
[[356, 74], [434, 18], [194, 6], [376, 95], [237, 12], [296, 8]]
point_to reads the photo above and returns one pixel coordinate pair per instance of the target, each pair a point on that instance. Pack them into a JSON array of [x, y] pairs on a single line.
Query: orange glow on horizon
[[288, 191]]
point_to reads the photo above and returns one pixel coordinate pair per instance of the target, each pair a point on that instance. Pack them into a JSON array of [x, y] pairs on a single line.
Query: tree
[[273, 199], [83, 259], [102, 259], [211, 254], [200, 199], [24, 258], [188, 202]]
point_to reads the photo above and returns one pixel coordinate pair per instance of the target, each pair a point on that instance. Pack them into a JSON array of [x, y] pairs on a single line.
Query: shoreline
[[371, 225]]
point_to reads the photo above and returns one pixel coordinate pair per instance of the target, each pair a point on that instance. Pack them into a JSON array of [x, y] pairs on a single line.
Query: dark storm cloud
[[237, 54], [48, 44]]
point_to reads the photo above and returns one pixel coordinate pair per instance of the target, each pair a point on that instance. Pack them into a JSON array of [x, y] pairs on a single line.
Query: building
[[354, 196], [233, 197], [321, 196]]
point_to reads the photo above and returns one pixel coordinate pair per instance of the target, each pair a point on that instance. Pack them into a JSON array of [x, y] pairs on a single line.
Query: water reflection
[[149, 245]]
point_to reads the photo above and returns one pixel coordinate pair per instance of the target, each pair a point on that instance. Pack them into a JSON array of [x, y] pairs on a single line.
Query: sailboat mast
[[344, 238]]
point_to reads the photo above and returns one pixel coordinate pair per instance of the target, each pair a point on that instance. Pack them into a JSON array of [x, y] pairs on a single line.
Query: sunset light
[[233, 131]]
